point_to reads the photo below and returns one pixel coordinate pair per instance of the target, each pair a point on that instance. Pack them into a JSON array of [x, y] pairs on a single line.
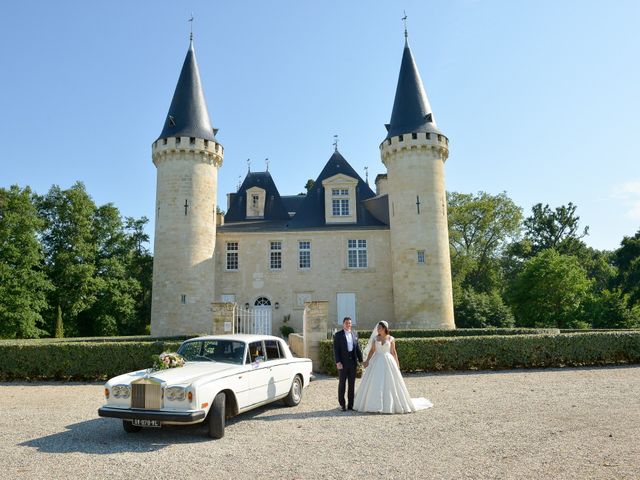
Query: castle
[[373, 256]]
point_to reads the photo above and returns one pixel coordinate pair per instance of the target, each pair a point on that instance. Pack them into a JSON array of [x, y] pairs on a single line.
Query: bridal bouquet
[[168, 360]]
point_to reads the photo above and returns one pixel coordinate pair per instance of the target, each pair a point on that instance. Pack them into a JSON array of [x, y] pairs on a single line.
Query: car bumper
[[173, 417]]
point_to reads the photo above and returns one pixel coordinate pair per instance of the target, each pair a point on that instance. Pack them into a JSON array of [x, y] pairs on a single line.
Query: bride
[[382, 389]]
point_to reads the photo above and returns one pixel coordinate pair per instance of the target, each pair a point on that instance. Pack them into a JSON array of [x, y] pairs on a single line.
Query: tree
[[550, 291], [70, 252], [627, 259], [480, 227], [558, 229], [59, 331], [612, 309], [141, 268], [116, 288], [480, 310], [23, 283], [309, 185]]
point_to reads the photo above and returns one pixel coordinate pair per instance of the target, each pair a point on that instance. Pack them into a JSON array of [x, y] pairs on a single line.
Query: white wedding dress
[[382, 388]]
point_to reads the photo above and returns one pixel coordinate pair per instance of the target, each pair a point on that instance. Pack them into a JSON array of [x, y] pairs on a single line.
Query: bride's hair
[[384, 325]]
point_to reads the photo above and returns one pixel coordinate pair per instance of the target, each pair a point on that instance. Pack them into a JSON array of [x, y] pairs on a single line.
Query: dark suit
[[349, 362]]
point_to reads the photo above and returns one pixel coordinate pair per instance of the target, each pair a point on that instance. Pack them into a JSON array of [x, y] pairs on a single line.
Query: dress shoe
[[349, 408], [344, 409]]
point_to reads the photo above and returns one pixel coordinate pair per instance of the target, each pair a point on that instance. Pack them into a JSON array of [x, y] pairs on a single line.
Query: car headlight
[[121, 391], [175, 394]]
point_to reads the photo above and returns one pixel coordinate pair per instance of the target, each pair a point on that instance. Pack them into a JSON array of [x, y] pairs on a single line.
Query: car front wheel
[[295, 393], [129, 427], [217, 416]]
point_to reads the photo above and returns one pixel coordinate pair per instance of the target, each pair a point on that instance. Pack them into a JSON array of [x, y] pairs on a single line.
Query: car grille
[[146, 395]]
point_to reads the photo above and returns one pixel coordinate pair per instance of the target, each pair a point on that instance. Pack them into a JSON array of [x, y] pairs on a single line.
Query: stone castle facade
[[374, 256]]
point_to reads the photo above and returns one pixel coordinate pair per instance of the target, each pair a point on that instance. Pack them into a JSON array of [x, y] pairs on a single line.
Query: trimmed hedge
[[507, 351], [84, 360], [464, 332], [43, 341]]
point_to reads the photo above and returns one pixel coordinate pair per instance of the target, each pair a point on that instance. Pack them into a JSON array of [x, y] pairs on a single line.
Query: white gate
[[253, 320]]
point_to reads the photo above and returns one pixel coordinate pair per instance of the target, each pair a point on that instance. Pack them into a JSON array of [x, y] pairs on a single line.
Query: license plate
[[146, 423]]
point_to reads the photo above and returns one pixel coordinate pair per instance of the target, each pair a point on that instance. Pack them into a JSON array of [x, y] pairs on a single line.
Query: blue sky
[[538, 98]]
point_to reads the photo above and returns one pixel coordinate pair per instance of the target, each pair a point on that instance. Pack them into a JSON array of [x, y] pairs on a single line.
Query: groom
[[347, 354]]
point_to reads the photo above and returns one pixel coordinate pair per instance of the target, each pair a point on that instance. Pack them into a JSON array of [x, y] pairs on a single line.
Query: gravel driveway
[[559, 423]]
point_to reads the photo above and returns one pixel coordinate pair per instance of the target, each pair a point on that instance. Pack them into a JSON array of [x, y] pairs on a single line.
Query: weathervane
[[404, 19], [191, 22], [266, 160], [239, 181], [366, 175], [248, 165], [335, 142]]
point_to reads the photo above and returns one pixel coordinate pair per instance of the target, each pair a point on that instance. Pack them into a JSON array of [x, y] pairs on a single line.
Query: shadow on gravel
[[295, 414], [105, 436]]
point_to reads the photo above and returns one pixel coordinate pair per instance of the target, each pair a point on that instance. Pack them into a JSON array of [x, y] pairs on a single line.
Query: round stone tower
[[187, 157], [414, 153]]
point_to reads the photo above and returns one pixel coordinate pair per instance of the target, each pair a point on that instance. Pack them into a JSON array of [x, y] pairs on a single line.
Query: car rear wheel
[[129, 427], [295, 393], [217, 416]]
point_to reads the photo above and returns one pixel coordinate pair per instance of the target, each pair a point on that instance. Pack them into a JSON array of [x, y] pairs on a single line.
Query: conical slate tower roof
[[411, 110], [188, 115]]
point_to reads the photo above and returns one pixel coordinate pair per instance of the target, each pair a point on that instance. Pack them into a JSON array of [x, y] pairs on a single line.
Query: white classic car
[[222, 377]]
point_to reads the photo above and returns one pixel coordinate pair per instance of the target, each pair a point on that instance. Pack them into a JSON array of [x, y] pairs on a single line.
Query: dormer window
[[340, 199], [340, 202], [255, 202]]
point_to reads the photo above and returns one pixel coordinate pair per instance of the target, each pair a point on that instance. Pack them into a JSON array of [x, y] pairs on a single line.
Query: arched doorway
[[262, 316]]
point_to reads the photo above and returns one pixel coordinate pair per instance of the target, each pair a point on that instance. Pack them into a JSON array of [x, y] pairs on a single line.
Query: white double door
[[346, 307]]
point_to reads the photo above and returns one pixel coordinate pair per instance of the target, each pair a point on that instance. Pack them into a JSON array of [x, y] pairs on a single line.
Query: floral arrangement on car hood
[[168, 360]]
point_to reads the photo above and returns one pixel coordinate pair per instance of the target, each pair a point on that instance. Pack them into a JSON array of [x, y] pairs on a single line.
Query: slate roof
[[188, 115], [411, 109], [274, 208], [379, 207], [292, 202], [311, 212], [309, 208]]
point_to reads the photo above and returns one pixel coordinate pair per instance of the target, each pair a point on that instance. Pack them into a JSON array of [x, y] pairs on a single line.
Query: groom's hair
[[345, 319]]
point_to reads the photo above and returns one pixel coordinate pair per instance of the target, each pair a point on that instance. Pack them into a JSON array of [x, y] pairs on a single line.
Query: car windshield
[[225, 351]]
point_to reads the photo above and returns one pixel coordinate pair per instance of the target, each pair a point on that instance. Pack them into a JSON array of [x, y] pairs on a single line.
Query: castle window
[[400, 138], [232, 255], [340, 207], [414, 136], [304, 254], [183, 299], [421, 256], [177, 140], [206, 144], [255, 199], [192, 140], [164, 141], [428, 136], [357, 253], [439, 138], [340, 199], [275, 255]]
